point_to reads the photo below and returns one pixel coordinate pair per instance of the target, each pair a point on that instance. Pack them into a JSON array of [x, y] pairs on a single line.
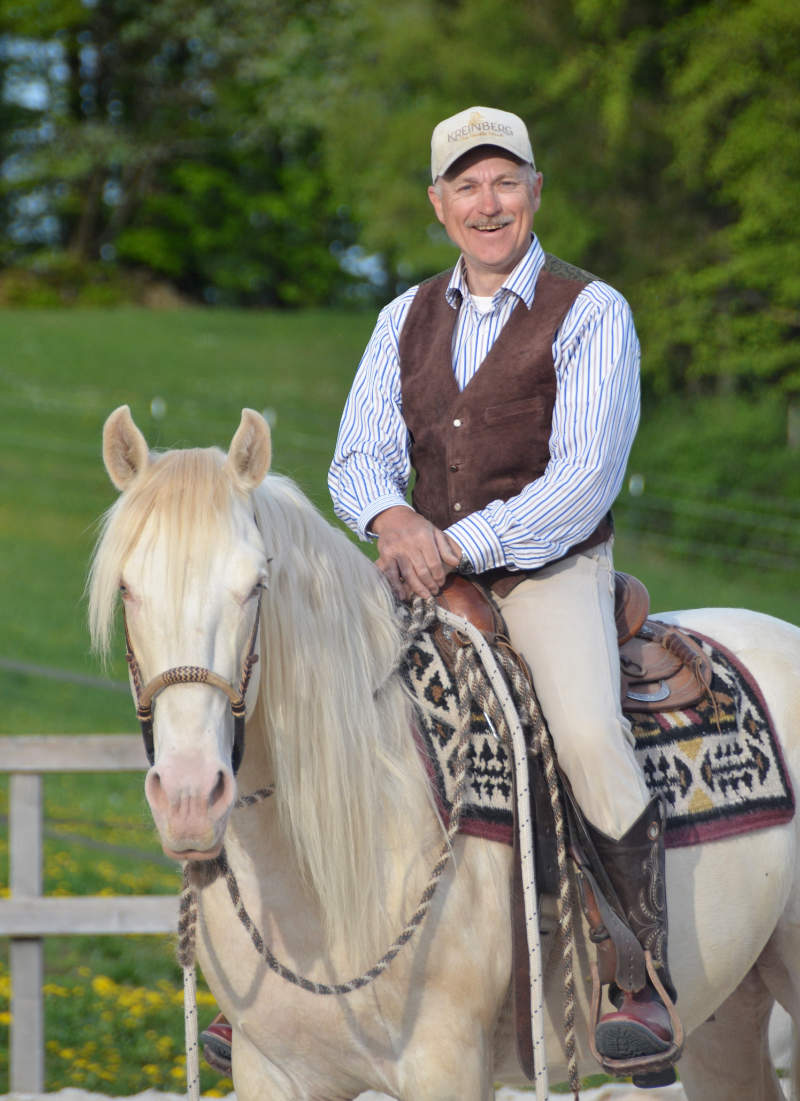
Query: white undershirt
[[481, 303]]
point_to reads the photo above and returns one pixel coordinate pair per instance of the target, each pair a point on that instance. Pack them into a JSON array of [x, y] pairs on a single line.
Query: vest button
[[457, 423], [457, 507], [454, 466]]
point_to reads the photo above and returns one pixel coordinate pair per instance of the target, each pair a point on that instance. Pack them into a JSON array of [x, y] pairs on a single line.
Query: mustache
[[490, 223]]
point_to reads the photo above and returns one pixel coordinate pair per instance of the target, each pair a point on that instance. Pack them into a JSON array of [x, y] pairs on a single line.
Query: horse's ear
[[250, 451], [125, 451]]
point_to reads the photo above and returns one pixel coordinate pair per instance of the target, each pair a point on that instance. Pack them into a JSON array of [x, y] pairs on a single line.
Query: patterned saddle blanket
[[719, 763]]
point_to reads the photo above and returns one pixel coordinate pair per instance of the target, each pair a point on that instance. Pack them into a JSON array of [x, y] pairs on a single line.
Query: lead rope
[[493, 697], [500, 709], [542, 746]]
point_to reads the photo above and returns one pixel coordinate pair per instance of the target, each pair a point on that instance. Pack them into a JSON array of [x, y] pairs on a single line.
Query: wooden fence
[[27, 916]]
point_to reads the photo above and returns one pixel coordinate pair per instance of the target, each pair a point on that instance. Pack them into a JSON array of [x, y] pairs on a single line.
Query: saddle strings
[[473, 684]]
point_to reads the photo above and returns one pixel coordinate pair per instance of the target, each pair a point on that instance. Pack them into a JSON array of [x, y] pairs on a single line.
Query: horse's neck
[[262, 857]]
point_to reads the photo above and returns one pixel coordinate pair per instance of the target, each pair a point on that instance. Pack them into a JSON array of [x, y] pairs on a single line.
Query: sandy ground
[[604, 1093], [780, 1042]]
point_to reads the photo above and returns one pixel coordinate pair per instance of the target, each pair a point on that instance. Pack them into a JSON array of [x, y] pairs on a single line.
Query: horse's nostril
[[154, 789], [218, 790]]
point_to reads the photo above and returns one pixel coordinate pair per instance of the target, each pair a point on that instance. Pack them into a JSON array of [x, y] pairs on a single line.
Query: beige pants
[[562, 622]]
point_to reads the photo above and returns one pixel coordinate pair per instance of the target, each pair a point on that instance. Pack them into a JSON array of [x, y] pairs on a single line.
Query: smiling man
[[510, 386]]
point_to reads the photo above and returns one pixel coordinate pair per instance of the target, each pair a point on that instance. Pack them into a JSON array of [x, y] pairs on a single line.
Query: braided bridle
[[194, 674]]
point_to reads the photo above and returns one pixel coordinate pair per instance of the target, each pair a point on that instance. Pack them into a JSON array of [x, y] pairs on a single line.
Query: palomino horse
[[333, 863]]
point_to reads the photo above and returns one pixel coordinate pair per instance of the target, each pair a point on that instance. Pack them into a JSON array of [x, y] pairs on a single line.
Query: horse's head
[[182, 547]]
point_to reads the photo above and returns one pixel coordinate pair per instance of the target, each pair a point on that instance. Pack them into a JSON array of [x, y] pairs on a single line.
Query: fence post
[[26, 953]]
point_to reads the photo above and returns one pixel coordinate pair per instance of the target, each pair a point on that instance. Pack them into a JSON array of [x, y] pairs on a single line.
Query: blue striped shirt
[[596, 356]]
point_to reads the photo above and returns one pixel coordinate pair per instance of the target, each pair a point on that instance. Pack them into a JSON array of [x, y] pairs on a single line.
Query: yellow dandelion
[[56, 990], [103, 986], [164, 1046]]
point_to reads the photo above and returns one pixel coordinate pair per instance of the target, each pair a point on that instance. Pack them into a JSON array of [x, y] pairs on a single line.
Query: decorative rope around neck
[[473, 686], [197, 876]]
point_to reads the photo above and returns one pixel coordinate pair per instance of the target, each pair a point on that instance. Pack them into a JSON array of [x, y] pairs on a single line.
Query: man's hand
[[414, 556]]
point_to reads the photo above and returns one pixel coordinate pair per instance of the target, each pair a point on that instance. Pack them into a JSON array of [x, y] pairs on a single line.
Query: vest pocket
[[513, 410]]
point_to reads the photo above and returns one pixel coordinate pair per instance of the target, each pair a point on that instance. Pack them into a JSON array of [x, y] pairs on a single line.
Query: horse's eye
[[123, 590], [262, 584]]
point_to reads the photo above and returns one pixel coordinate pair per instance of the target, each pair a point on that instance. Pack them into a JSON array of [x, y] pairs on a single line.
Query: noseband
[[193, 674]]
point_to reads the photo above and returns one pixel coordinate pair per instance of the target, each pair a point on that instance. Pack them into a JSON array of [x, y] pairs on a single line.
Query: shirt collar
[[520, 282]]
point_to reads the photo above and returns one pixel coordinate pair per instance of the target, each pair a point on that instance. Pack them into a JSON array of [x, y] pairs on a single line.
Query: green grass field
[[112, 1019]]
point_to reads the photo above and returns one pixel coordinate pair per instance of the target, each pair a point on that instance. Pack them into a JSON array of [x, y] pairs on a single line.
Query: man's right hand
[[414, 556]]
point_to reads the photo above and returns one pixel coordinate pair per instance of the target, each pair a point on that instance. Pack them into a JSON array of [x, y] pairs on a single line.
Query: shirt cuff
[[380, 504], [479, 542]]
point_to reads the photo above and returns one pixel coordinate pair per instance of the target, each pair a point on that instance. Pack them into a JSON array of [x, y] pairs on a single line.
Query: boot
[[640, 1024], [216, 1044]]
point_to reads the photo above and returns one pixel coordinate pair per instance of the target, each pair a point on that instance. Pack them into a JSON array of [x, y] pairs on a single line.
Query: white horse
[[333, 863]]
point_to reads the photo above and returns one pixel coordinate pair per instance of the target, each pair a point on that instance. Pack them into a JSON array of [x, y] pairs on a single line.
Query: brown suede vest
[[490, 440]]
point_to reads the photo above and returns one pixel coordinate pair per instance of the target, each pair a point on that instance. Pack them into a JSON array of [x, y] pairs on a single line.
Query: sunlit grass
[[113, 1036], [113, 1005]]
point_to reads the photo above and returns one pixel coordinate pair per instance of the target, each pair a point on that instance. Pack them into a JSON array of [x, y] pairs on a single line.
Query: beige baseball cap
[[476, 126]]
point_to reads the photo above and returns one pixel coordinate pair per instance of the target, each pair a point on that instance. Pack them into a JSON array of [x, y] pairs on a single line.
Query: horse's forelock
[[186, 495]]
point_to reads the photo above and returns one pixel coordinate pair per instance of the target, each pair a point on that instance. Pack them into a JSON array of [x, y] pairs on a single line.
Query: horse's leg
[[255, 1078], [728, 1056], [779, 967], [453, 1066]]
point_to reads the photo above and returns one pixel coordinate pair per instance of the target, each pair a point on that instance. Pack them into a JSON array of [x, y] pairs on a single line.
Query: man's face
[[487, 203]]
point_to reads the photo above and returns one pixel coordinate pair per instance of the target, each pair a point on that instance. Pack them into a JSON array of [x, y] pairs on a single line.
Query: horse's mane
[[334, 713]]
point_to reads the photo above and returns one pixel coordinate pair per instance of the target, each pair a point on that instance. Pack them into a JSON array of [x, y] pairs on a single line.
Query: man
[[511, 387]]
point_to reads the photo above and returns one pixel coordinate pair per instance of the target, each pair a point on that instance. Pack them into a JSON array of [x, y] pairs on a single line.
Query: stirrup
[[645, 1064]]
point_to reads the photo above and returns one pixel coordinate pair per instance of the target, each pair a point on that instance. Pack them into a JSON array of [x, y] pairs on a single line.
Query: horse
[[224, 566]]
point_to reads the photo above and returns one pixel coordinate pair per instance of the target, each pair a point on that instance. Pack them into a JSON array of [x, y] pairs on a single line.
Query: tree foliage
[[667, 133], [147, 147], [239, 147]]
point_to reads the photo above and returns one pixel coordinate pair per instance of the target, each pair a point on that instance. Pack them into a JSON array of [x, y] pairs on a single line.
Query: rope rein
[[477, 681], [542, 746]]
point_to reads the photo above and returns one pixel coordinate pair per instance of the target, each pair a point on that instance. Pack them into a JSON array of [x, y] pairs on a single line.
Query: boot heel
[[655, 1079]]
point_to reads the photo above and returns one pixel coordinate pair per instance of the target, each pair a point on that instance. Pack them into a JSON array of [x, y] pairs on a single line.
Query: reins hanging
[[489, 688]]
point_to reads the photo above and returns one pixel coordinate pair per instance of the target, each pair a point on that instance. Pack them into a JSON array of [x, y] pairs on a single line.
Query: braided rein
[[196, 878], [473, 685]]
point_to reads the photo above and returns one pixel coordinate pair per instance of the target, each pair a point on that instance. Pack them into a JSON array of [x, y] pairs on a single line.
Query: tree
[[667, 136], [148, 148], [728, 310]]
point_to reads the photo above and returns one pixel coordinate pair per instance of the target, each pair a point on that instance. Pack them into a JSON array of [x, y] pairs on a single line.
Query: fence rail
[[696, 522], [27, 916]]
